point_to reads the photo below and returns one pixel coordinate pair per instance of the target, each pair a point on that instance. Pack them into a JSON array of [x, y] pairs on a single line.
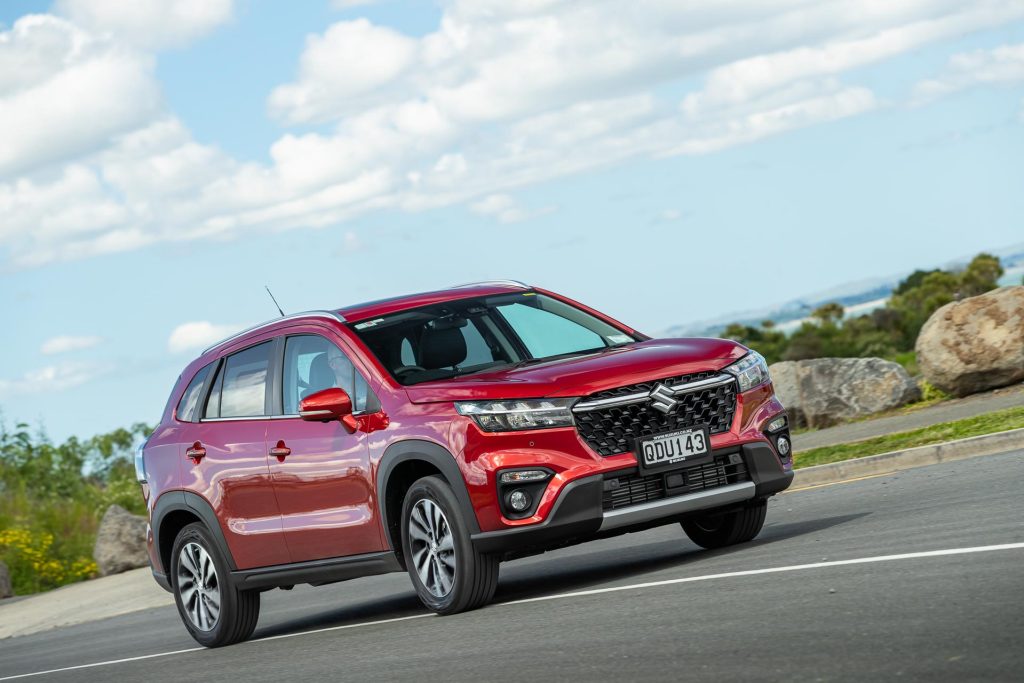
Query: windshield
[[473, 335]]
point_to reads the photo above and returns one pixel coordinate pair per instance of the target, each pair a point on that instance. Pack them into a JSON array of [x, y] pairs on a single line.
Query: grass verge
[[999, 421]]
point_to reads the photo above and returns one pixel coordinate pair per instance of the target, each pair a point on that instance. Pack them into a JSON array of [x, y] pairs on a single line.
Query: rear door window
[[241, 386]]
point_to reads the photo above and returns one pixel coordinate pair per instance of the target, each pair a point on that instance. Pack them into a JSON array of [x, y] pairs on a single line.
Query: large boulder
[[6, 590], [975, 344], [823, 391], [120, 542]]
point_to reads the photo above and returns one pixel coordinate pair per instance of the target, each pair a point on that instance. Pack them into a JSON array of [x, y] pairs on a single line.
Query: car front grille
[[633, 489], [614, 429]]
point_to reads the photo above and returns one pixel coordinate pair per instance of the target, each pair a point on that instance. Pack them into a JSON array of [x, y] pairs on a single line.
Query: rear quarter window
[[186, 410]]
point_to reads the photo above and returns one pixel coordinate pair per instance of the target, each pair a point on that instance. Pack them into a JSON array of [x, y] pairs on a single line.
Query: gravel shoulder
[[102, 598]]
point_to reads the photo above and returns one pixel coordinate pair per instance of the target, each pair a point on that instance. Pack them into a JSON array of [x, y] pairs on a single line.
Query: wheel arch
[[401, 465], [175, 510]]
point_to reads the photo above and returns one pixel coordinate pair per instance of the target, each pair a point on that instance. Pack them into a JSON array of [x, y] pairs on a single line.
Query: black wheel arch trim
[[433, 454], [193, 503]]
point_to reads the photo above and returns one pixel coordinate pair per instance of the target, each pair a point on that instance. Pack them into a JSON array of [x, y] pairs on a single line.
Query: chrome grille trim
[[676, 389]]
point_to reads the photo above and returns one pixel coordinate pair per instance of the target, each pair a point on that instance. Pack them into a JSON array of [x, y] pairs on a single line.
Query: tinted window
[[548, 334], [244, 386], [187, 405], [312, 364], [213, 400], [474, 335]]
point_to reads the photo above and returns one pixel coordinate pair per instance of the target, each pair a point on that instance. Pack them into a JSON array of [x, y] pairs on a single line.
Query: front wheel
[[719, 530], [212, 609], [448, 573]]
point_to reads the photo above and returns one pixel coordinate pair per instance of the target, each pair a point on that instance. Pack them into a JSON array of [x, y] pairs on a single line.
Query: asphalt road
[[808, 600]]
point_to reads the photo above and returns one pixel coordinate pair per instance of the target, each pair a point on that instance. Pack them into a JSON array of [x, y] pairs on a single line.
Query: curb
[[909, 458]]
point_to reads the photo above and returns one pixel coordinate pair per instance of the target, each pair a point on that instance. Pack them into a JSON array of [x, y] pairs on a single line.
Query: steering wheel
[[406, 369]]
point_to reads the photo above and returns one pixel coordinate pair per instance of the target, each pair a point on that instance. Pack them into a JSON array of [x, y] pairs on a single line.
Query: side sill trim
[[317, 572]]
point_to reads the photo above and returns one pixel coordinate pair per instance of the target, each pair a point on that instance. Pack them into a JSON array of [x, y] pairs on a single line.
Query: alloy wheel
[[198, 586], [433, 547]]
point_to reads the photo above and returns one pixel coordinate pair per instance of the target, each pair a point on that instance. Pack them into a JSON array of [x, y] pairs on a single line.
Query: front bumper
[[579, 515]]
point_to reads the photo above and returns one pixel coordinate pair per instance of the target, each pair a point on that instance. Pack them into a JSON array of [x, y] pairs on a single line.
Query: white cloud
[[65, 344], [505, 209], [503, 94], [52, 378], [350, 60], [148, 24], [1000, 65], [198, 335], [74, 95]]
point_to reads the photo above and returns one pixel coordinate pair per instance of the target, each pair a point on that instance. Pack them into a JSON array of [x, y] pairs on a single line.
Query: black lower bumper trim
[[578, 513], [161, 579]]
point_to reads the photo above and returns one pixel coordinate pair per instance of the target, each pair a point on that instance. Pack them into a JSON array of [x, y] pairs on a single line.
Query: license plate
[[673, 448]]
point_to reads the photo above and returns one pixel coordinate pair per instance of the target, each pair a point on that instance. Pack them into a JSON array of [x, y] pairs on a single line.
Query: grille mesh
[[615, 429], [634, 489]]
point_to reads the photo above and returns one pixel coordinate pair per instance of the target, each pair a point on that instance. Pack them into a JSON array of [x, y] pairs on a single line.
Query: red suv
[[440, 434]]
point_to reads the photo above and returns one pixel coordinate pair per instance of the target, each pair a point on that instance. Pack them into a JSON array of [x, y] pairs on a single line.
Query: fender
[[195, 504], [436, 455]]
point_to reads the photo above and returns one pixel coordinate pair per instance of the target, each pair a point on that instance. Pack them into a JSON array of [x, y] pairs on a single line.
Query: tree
[[830, 313], [913, 280], [981, 275]]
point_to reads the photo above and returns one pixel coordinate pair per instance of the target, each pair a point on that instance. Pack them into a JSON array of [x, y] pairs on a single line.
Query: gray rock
[[975, 344], [6, 590], [823, 391], [120, 542]]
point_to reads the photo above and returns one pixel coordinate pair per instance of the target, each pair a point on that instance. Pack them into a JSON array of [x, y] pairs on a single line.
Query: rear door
[[228, 463], [323, 483]]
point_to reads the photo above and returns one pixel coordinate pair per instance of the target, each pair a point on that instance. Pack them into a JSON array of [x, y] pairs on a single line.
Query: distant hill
[[858, 297]]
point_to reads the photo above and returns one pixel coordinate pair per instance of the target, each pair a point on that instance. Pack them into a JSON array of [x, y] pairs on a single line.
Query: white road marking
[[772, 570], [576, 594]]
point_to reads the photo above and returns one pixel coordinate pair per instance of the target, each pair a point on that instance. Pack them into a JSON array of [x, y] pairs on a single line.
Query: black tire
[[238, 610], [713, 530], [475, 574]]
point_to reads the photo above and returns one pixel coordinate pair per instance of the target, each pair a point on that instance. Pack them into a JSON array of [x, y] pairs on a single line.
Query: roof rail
[[513, 283], [332, 315]]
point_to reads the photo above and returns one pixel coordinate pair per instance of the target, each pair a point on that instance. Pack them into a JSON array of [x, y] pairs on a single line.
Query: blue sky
[[159, 166]]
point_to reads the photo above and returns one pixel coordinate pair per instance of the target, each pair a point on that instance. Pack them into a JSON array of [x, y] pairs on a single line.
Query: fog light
[[519, 500], [523, 475], [777, 424], [783, 444]]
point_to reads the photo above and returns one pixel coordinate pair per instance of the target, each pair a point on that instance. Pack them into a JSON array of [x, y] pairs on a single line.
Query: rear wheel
[[448, 573], [212, 609], [719, 530]]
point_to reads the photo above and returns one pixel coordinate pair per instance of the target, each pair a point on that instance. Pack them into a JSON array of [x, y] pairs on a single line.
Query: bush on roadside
[[52, 497]]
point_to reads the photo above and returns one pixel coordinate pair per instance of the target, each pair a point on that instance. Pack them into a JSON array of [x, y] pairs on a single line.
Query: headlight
[[750, 371], [510, 416]]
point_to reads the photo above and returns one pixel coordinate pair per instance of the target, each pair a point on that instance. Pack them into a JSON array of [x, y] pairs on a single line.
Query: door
[[321, 472], [225, 460]]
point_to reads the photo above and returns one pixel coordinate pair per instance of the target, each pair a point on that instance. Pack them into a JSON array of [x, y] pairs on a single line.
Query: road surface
[[917, 575]]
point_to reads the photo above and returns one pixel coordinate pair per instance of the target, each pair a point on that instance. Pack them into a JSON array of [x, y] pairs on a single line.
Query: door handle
[[281, 451], [196, 452]]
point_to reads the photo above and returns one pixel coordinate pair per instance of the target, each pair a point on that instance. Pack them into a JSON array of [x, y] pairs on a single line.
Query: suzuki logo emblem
[[663, 399]]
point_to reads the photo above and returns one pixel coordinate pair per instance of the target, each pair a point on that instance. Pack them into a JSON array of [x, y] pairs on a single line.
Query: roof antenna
[[274, 300]]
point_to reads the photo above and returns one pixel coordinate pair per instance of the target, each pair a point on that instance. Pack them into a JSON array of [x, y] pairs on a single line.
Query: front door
[[321, 472]]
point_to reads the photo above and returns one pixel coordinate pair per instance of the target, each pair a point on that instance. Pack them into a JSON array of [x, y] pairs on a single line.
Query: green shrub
[[52, 498]]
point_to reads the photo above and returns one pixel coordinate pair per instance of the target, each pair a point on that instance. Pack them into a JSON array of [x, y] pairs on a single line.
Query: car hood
[[584, 375]]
